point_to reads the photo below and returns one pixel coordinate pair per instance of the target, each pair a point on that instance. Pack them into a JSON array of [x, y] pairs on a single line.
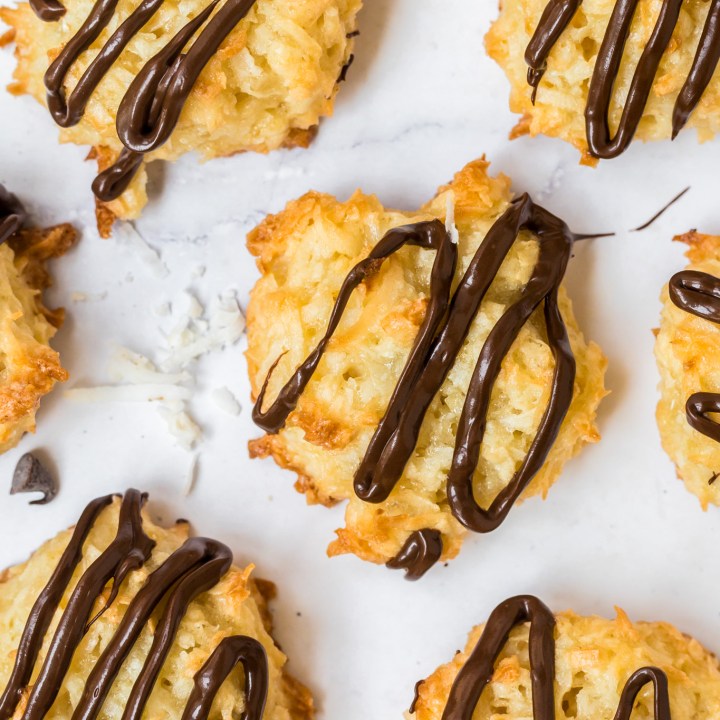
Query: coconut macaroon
[[686, 350], [304, 253], [267, 85], [30, 367], [158, 572], [562, 94], [594, 660]]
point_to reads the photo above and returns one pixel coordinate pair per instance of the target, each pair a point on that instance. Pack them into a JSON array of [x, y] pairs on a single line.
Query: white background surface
[[421, 100]]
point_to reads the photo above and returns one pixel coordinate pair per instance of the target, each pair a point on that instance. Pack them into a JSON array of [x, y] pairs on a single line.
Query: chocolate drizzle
[[151, 107], [698, 293], [12, 214], [191, 570], [419, 553], [556, 18], [441, 336], [478, 670]]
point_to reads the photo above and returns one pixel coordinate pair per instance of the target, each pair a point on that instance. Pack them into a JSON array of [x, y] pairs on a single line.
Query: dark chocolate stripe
[[434, 352], [430, 235], [607, 65], [45, 607], [229, 653], [697, 410], [191, 570], [419, 553], [478, 670], [555, 19], [12, 214], [697, 293], [151, 107], [128, 551]]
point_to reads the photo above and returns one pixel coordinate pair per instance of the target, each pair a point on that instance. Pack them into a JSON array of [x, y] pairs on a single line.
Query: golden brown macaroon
[[304, 253], [563, 92], [267, 87], [234, 606], [30, 367], [686, 349], [594, 658]]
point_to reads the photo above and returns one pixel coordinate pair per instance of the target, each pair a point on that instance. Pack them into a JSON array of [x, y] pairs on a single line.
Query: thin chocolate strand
[[464, 306], [553, 22], [12, 214], [472, 427], [191, 570], [697, 409], [430, 235], [216, 563], [607, 65], [443, 272], [697, 293], [44, 608], [478, 670], [419, 553], [435, 351], [115, 180], [47, 10], [702, 70], [194, 554], [152, 105], [128, 551], [67, 113], [661, 211], [230, 652]]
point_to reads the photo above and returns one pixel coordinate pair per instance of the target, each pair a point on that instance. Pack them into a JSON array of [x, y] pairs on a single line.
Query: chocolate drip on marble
[[436, 347], [478, 670], [698, 293], [419, 553], [554, 21], [192, 569], [151, 107], [12, 214]]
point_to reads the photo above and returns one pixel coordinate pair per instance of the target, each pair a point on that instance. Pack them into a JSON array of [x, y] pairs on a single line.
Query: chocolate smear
[[32, 476]]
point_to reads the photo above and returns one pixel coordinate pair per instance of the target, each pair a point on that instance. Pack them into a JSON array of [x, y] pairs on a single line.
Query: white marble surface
[[420, 101]]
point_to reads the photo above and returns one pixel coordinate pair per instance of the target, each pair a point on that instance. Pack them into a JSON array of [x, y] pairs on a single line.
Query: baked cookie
[[119, 618], [154, 80], [528, 663], [597, 73], [429, 374], [686, 349], [30, 367]]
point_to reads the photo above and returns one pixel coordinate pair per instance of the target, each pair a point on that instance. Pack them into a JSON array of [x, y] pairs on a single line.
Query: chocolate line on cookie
[[698, 293], [477, 672], [555, 19], [192, 569], [435, 350], [12, 214], [419, 553], [151, 107]]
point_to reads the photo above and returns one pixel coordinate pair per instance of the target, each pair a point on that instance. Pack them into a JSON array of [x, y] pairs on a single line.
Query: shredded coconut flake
[[192, 475], [169, 383], [127, 233], [450, 218], [226, 400]]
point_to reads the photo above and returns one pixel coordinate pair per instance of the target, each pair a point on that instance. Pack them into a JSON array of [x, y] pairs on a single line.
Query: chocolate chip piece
[[32, 476]]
